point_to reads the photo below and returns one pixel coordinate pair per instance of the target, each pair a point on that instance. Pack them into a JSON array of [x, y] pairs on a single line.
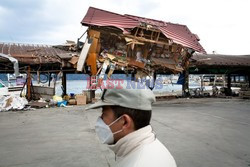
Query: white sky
[[222, 25]]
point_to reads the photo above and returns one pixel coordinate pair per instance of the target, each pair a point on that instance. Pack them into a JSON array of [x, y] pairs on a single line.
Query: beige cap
[[140, 99]]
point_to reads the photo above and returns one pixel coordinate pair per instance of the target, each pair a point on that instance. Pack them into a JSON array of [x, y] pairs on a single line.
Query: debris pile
[[245, 93], [132, 53], [12, 102]]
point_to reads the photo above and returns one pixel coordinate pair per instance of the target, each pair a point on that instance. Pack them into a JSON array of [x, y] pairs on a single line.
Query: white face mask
[[104, 132]]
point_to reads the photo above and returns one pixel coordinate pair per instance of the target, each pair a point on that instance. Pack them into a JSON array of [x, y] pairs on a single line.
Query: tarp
[[12, 102]]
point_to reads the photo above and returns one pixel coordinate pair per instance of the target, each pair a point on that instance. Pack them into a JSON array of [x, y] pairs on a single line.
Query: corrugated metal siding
[[157, 23], [100, 17], [180, 34]]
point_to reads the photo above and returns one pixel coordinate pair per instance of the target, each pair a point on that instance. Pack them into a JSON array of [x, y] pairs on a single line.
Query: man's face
[[108, 117]]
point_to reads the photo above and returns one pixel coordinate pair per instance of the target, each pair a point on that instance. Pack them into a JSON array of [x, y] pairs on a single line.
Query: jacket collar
[[132, 141]]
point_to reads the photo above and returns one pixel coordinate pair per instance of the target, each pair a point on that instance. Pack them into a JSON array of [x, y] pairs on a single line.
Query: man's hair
[[141, 118]]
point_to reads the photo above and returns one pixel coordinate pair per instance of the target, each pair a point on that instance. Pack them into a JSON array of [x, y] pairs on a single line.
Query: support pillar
[[38, 77], [92, 92], [49, 79], [133, 76], [28, 94], [224, 80], [215, 78], [54, 86], [229, 90], [185, 86], [64, 87], [248, 80], [202, 82]]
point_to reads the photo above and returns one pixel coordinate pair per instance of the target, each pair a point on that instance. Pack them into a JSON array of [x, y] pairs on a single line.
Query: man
[[125, 126]]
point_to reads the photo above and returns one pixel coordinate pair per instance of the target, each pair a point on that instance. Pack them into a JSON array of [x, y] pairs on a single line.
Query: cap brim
[[99, 104]]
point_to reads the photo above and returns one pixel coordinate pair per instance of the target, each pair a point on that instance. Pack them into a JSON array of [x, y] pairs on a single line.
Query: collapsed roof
[[125, 42], [42, 57], [179, 34]]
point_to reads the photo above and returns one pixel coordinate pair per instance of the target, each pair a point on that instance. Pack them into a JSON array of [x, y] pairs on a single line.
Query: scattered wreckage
[[115, 43]]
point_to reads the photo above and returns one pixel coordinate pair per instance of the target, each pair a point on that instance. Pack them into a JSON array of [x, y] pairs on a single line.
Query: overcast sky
[[222, 25]]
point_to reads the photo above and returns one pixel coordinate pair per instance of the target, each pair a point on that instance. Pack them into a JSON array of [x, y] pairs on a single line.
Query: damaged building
[[131, 44], [115, 43]]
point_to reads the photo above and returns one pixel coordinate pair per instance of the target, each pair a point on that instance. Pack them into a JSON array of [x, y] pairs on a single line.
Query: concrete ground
[[198, 132]]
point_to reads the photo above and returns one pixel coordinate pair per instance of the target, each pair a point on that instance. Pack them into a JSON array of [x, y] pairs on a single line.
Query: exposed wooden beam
[[147, 40]]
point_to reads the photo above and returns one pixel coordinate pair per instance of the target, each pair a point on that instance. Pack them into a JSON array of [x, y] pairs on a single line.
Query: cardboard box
[[89, 94], [81, 99], [72, 101]]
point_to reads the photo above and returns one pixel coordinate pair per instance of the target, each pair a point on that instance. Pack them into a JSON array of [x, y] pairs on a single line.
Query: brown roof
[[220, 60], [32, 54]]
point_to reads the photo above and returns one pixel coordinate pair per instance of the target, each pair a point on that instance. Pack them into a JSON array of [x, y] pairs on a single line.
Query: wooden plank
[[136, 31], [150, 29], [38, 104], [157, 38], [133, 62], [152, 34], [91, 61], [146, 40], [94, 35], [83, 55], [93, 51]]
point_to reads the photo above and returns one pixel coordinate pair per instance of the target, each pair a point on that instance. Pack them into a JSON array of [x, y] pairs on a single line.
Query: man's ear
[[128, 122]]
